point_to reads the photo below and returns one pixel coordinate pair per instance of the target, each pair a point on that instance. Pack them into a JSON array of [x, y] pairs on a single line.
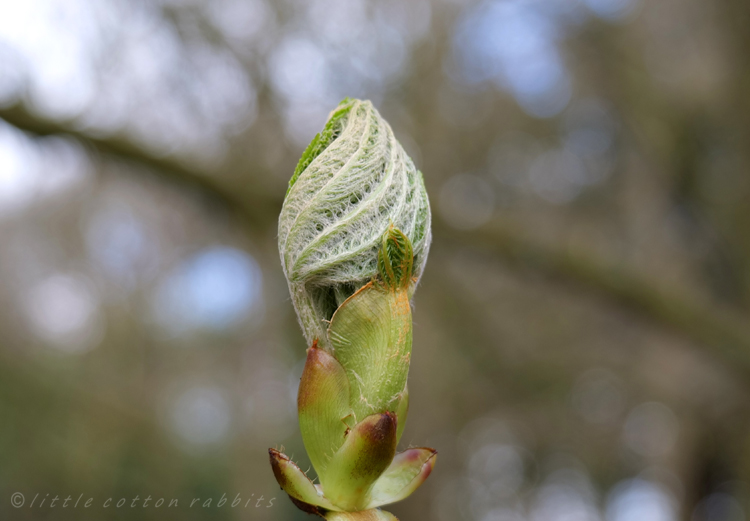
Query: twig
[[718, 332]]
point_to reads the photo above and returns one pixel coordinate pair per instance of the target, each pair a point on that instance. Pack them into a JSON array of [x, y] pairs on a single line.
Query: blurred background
[[582, 342]]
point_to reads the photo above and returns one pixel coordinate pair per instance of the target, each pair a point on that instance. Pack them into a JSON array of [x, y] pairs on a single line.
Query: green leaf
[[367, 452], [395, 259], [295, 483], [323, 405], [406, 473], [322, 140], [371, 337]]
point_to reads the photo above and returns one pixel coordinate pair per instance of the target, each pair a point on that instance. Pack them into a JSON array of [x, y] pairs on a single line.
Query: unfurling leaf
[[406, 473], [367, 452], [295, 483], [371, 336], [395, 260], [322, 403], [352, 183]]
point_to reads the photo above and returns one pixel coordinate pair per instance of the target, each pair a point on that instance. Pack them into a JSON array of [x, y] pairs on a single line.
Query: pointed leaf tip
[[395, 259], [294, 482], [322, 403], [401, 412], [406, 473], [367, 452]]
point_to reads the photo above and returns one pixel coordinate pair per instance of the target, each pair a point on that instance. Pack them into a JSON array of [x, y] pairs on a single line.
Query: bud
[[353, 182], [354, 233]]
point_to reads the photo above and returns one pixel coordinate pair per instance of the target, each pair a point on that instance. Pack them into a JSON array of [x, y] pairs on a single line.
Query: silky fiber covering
[[352, 183]]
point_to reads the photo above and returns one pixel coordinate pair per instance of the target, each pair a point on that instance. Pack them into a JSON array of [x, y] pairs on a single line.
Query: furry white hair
[[353, 181]]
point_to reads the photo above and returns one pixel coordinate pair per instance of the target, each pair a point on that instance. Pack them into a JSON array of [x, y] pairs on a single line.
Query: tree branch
[[719, 332], [251, 205], [716, 330]]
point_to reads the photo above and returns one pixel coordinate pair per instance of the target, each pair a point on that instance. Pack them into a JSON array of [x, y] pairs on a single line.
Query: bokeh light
[[63, 310], [613, 10], [213, 289], [121, 245], [641, 500], [514, 45]]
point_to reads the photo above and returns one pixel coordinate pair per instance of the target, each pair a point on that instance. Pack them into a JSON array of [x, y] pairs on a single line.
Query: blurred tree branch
[[719, 332], [250, 205]]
